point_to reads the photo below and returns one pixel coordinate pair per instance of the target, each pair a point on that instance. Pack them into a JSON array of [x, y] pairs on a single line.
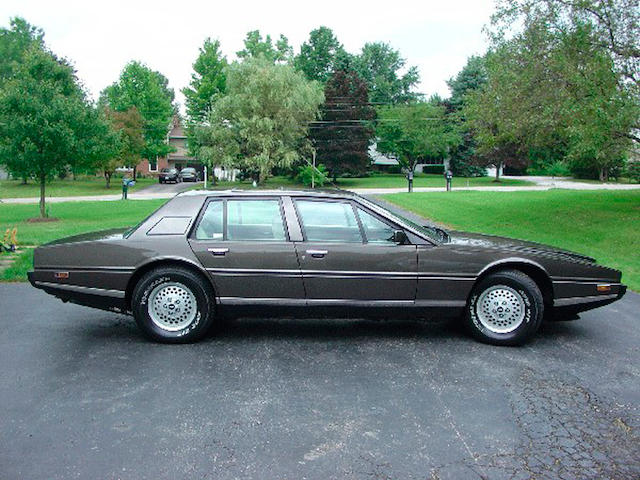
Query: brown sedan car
[[204, 255]]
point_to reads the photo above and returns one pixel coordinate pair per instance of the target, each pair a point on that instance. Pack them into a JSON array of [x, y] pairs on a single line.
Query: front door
[[348, 256], [245, 247]]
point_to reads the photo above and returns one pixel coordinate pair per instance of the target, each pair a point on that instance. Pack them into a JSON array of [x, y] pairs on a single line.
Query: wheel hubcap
[[172, 306], [500, 309]]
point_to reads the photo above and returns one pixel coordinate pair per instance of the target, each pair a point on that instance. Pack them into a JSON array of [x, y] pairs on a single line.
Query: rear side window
[[210, 226], [257, 220], [245, 220], [328, 221]]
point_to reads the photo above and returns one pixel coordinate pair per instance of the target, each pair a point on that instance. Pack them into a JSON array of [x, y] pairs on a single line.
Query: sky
[[99, 38]]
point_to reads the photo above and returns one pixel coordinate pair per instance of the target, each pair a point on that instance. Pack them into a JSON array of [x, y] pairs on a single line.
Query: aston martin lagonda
[[207, 255]]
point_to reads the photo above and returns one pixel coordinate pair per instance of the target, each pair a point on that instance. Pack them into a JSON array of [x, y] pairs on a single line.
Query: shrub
[[633, 171], [437, 169], [307, 172], [557, 168]]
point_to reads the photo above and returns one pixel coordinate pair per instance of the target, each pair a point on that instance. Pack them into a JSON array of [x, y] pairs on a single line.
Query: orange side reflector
[[604, 288], [61, 275]]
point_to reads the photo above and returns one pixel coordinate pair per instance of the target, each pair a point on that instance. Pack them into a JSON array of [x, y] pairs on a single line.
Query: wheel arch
[[535, 271], [165, 262]]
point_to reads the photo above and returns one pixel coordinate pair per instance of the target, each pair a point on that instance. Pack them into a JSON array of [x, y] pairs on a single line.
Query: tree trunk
[[604, 174], [107, 177], [410, 178], [134, 172], [43, 212], [24, 180], [498, 168]]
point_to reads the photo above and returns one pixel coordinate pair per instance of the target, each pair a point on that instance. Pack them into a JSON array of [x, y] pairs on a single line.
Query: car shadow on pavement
[[335, 329], [120, 328]]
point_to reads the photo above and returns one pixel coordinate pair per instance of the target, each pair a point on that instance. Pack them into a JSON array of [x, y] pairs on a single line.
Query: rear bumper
[[104, 299]]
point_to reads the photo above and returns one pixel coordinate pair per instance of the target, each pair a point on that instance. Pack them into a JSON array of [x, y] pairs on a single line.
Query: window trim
[[203, 209], [380, 218]]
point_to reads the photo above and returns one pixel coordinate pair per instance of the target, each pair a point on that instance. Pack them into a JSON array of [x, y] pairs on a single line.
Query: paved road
[[82, 395], [542, 184]]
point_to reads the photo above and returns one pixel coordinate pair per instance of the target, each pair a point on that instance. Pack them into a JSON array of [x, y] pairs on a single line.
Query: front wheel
[[173, 305], [505, 308]]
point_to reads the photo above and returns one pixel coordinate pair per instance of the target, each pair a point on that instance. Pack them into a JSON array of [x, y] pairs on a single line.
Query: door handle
[[218, 252], [317, 253]]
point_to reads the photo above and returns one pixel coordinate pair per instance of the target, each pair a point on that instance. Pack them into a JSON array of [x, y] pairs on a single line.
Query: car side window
[[210, 226], [255, 220], [375, 229], [328, 221]]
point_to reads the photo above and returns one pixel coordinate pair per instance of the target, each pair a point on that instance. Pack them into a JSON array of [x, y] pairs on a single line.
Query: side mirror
[[400, 237]]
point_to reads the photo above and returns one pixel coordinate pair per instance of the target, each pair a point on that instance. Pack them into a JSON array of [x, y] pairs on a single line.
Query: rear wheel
[[505, 308], [173, 305]]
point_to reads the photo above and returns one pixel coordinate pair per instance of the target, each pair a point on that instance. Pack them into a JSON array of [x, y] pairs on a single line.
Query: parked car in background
[[169, 175], [189, 174], [205, 254]]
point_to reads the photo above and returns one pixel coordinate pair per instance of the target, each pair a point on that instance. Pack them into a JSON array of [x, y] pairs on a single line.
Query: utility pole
[[313, 170]]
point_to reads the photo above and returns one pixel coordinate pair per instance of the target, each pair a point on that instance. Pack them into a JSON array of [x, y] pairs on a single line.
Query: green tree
[[415, 132], [148, 91], [262, 121], [14, 42], [381, 66], [46, 122], [342, 136], [208, 82], [255, 46], [472, 77], [321, 55], [557, 90], [614, 26], [129, 126]]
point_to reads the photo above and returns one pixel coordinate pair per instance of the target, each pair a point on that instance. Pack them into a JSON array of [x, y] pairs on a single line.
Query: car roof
[[270, 193]]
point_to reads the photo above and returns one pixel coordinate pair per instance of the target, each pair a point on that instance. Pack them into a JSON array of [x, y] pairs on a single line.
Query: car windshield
[[168, 170], [188, 170], [432, 232]]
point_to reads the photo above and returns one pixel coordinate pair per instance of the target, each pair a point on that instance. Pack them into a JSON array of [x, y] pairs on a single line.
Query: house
[[177, 159], [383, 162]]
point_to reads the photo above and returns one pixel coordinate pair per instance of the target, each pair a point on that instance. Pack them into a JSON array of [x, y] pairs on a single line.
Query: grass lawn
[[601, 224], [75, 217], [85, 185], [381, 181]]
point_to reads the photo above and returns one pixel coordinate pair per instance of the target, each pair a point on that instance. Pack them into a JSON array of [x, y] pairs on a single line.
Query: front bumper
[[577, 304]]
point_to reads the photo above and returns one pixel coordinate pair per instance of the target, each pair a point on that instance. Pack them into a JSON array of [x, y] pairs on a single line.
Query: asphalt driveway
[[82, 395], [167, 188]]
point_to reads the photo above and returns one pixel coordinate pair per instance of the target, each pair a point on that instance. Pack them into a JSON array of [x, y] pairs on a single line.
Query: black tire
[[161, 181], [503, 325], [161, 283]]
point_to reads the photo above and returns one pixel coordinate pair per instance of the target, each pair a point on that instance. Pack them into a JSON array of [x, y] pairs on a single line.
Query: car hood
[[111, 234], [513, 245]]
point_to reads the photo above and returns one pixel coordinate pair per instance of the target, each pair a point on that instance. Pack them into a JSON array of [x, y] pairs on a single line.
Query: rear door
[[347, 256], [244, 245]]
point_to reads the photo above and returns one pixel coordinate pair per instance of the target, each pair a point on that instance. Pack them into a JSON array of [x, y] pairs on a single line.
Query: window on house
[[153, 165]]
